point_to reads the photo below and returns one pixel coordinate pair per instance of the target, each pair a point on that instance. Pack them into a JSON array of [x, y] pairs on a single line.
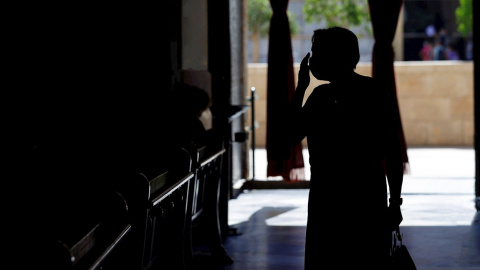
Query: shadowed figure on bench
[[192, 129], [354, 151], [188, 103]]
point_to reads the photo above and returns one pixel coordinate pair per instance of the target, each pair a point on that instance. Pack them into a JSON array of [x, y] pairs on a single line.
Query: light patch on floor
[[438, 191]]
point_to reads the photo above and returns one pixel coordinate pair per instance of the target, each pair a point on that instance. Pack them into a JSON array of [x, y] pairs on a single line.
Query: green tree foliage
[[259, 14], [464, 17], [346, 13]]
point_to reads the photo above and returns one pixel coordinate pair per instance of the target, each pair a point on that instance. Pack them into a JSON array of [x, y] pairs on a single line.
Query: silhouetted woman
[[354, 151]]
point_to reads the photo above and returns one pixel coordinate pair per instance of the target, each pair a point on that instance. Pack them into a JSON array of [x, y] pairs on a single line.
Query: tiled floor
[[441, 225]]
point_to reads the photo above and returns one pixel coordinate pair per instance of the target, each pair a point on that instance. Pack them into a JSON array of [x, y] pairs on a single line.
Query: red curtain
[[283, 159], [384, 16]]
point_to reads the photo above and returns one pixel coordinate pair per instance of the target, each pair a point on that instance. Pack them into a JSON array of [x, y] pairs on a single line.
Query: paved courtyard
[[441, 226]]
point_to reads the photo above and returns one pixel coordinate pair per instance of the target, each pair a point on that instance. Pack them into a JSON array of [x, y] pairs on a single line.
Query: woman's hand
[[395, 216], [304, 74]]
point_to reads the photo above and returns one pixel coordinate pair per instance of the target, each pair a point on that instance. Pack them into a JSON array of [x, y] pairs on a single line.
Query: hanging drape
[[384, 16], [283, 159]]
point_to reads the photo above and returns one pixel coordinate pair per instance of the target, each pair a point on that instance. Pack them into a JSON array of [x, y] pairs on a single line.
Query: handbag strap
[[397, 237]]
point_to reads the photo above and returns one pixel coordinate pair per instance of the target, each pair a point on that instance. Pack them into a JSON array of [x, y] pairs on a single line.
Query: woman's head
[[193, 100], [334, 52]]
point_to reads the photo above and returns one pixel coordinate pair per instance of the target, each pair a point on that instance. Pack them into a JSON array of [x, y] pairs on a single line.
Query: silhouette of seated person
[[188, 103], [354, 151]]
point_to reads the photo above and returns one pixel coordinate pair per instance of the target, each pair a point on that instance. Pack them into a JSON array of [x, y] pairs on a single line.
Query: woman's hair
[[339, 42]]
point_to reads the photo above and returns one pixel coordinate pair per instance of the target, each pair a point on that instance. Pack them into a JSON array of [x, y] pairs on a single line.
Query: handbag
[[399, 255]]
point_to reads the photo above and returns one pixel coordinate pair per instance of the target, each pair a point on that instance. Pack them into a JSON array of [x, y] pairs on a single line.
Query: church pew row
[[146, 220]]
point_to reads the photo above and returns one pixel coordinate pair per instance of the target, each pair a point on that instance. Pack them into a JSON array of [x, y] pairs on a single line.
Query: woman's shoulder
[[368, 81], [364, 78], [322, 88], [369, 89], [320, 91]]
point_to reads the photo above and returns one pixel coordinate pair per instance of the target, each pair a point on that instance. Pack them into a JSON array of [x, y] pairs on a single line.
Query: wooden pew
[[137, 220], [93, 243], [159, 205], [205, 199]]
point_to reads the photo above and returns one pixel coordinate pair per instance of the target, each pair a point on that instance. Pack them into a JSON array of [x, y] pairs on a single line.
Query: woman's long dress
[[349, 129]]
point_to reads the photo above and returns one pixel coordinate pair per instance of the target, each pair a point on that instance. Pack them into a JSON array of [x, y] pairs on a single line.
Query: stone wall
[[435, 99]]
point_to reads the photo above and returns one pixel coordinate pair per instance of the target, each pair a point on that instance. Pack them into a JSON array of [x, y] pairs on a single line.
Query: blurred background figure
[[451, 52], [426, 53], [439, 49]]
